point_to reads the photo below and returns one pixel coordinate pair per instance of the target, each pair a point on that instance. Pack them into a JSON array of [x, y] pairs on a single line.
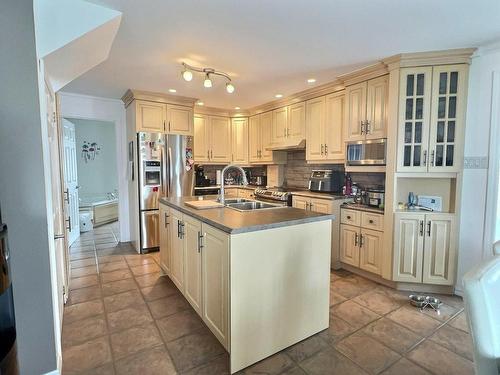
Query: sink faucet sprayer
[[245, 182]]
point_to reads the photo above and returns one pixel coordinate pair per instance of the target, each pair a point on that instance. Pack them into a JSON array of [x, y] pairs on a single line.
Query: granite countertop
[[314, 194], [233, 221], [248, 187]]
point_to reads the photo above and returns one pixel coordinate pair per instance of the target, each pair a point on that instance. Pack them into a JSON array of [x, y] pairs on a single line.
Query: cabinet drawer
[[351, 217], [372, 221]]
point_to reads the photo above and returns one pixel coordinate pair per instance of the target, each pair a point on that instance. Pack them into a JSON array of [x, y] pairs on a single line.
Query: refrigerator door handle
[[169, 171], [162, 174]]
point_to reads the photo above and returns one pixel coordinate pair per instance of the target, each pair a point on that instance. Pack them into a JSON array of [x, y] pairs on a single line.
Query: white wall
[[98, 176], [112, 110], [476, 218], [25, 189]]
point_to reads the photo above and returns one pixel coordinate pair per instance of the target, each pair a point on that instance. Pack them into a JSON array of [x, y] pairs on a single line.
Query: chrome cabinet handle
[[421, 228], [326, 149], [166, 219], [164, 127], [211, 154], [362, 127], [361, 242], [429, 228], [66, 195], [178, 229], [69, 223], [284, 131], [322, 149], [368, 128], [200, 241], [356, 239], [208, 154], [432, 158], [169, 126], [58, 236], [287, 132], [425, 157]]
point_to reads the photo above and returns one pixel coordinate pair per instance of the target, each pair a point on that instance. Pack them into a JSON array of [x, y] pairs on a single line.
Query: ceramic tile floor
[[123, 318]]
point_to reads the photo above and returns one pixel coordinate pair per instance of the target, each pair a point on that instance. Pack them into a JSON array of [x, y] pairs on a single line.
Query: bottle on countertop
[[348, 185]]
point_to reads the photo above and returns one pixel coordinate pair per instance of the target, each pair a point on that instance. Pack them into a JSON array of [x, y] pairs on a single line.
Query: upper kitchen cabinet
[[179, 120], [288, 125], [431, 118], [150, 116], [212, 136], [324, 128], [280, 125], [260, 139], [239, 140], [366, 109]]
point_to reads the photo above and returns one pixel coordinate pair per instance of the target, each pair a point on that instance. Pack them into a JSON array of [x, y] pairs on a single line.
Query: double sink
[[242, 204]]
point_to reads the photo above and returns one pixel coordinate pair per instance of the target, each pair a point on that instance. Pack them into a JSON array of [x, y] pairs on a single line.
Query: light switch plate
[[476, 162]]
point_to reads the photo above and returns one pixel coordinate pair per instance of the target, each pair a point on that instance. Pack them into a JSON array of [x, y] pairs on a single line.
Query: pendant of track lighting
[[187, 75]]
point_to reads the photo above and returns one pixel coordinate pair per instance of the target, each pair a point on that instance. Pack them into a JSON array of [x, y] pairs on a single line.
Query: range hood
[[291, 144]]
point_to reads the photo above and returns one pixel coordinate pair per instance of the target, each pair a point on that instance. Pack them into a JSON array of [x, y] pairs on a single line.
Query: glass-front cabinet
[[431, 118]]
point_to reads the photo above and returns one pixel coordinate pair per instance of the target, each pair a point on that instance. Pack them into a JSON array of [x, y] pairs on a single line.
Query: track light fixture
[[188, 70]]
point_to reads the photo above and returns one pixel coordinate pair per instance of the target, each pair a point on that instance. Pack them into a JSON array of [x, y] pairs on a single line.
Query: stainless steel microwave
[[368, 152]]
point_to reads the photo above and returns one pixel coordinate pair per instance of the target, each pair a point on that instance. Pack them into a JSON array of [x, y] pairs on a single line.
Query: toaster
[[325, 181]]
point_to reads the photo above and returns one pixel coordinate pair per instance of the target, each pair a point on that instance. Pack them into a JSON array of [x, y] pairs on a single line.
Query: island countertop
[[233, 221]]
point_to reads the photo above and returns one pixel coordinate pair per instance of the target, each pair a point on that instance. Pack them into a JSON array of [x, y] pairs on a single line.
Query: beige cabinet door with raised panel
[[150, 116], [220, 139], [323, 206], [192, 262], [201, 138], [266, 124], [439, 249], [300, 202], [355, 112], [334, 126], [177, 249], [165, 229], [408, 247], [180, 119], [376, 107], [280, 126], [215, 273], [254, 139], [296, 128], [370, 250], [239, 140], [315, 129], [349, 245]]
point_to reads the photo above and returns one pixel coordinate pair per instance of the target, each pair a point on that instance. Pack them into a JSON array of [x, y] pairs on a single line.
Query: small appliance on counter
[[201, 179], [258, 180], [325, 181], [374, 197]]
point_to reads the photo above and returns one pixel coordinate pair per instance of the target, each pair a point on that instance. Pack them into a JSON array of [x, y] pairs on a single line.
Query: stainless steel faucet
[[244, 176]]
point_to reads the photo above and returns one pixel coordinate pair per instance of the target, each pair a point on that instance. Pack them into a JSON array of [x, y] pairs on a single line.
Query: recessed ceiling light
[[200, 103], [278, 96], [172, 90], [237, 108], [311, 80]]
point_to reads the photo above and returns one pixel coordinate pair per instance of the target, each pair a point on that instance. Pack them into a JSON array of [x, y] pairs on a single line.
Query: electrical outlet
[[476, 162]]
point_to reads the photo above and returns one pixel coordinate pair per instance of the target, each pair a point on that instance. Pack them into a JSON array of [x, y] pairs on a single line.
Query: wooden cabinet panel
[[254, 139], [355, 111], [300, 202], [296, 128], [350, 217], [192, 262], [370, 250], [349, 249], [376, 107], [180, 119], [266, 124], [201, 138], [323, 206], [334, 126], [239, 138], [215, 266], [315, 128], [439, 250], [280, 125], [220, 139], [177, 249], [373, 221], [408, 247], [165, 229], [150, 116]]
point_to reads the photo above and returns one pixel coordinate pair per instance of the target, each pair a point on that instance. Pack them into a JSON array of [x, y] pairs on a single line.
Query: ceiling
[[274, 46]]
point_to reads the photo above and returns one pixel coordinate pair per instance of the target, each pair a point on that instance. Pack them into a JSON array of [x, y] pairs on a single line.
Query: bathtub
[[102, 209]]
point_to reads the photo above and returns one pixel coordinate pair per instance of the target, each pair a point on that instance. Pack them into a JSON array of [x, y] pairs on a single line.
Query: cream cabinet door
[[300, 202], [323, 206], [439, 250], [355, 112], [315, 128], [266, 125], [220, 139], [254, 139], [215, 273], [165, 229], [334, 126], [180, 119], [414, 119], [280, 126], [408, 247], [201, 138], [370, 250], [349, 245], [376, 107], [449, 86], [150, 116], [239, 138], [296, 128], [192, 262], [177, 249]]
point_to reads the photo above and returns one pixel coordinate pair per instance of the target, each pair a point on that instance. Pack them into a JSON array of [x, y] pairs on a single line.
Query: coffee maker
[[200, 178]]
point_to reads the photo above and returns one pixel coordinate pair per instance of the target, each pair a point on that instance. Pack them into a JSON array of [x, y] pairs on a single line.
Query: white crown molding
[[84, 96], [158, 97]]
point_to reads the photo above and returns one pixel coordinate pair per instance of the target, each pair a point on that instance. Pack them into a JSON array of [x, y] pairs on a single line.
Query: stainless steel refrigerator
[[165, 166]]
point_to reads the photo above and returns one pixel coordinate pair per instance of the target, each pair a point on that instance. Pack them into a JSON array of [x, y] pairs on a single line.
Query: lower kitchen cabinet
[[349, 250], [425, 248], [370, 250], [165, 248], [192, 262], [177, 249]]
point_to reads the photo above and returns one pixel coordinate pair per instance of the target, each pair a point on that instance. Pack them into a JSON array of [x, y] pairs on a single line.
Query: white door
[[60, 243], [349, 245], [192, 262], [71, 181], [370, 250], [408, 247]]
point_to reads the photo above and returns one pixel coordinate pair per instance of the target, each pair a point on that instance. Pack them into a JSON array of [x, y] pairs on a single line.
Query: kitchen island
[[259, 279]]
